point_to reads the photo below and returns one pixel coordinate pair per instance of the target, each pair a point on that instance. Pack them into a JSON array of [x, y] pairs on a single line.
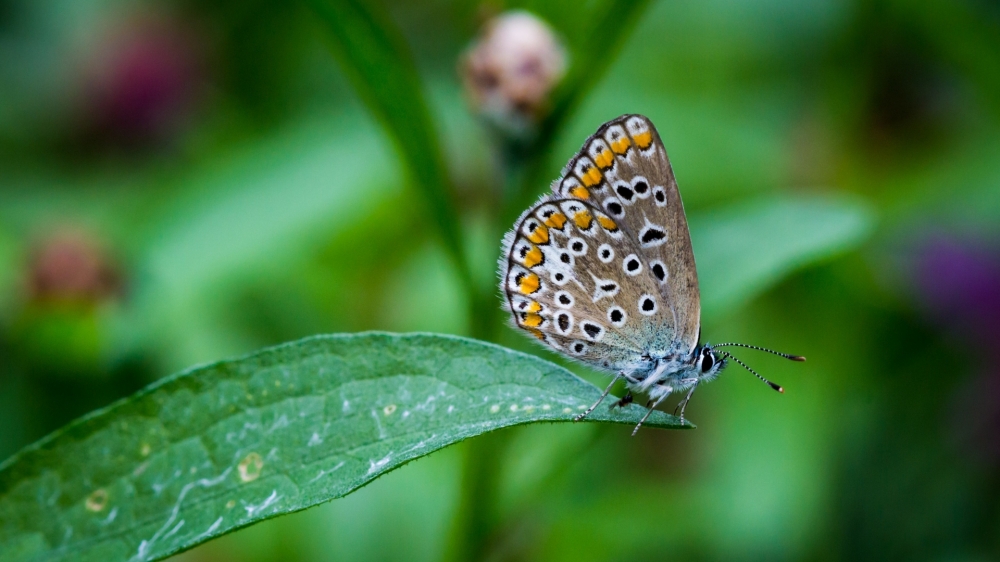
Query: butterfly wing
[[566, 279], [623, 169]]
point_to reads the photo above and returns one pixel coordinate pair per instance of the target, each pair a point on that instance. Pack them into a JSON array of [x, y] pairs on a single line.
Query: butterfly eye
[[707, 361]]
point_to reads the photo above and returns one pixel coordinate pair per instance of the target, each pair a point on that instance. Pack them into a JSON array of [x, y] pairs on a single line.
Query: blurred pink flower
[[959, 284], [144, 80]]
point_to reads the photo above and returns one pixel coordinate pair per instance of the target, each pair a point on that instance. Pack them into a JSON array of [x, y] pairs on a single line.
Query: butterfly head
[[708, 363]]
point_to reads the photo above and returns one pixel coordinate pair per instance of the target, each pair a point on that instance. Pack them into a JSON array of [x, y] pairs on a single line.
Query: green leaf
[[222, 446], [374, 56], [743, 249]]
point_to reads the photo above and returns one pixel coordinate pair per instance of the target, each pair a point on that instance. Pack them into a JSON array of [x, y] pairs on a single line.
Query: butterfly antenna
[[778, 353], [769, 383]]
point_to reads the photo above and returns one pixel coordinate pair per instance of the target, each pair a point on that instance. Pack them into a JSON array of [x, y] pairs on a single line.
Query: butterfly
[[602, 270]]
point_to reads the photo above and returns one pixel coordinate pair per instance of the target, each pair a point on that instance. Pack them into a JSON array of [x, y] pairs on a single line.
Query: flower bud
[[509, 72], [70, 266]]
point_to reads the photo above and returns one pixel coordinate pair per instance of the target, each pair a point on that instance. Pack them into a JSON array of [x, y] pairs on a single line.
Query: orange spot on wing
[[591, 177], [540, 235], [643, 140], [556, 220], [583, 219], [580, 192], [604, 159], [537, 333], [533, 257], [621, 145], [532, 320], [533, 306], [608, 224], [529, 284]]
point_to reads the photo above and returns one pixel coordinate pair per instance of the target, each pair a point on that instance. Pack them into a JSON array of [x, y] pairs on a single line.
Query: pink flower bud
[[70, 266], [509, 72]]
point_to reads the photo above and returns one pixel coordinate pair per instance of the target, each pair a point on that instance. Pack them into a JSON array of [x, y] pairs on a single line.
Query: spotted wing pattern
[[573, 279], [623, 169], [598, 270]]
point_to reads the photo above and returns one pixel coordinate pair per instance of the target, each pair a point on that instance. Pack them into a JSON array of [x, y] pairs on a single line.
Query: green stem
[[476, 517]]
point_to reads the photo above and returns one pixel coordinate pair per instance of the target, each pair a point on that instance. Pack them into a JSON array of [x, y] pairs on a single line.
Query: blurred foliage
[[249, 191]]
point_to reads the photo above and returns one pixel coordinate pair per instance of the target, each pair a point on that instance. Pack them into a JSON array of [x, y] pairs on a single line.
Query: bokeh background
[[186, 181]]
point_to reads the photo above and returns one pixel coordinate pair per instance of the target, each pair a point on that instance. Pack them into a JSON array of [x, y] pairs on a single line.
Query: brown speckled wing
[[624, 170], [603, 271]]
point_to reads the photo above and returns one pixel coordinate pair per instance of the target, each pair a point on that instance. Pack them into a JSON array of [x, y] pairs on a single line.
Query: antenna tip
[[780, 389], [798, 358]]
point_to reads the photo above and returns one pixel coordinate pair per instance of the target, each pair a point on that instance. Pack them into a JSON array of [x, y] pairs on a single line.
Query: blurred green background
[[186, 181]]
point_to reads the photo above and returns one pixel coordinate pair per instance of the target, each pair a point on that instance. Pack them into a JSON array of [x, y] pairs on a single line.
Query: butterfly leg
[[625, 400], [653, 407], [599, 400], [683, 403]]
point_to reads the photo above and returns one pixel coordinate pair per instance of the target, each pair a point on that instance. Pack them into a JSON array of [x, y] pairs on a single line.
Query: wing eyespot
[[564, 299], [577, 246], [659, 270], [617, 316], [614, 207], [592, 330], [640, 187], [647, 305], [632, 265], [564, 323], [605, 253], [625, 193], [660, 196]]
